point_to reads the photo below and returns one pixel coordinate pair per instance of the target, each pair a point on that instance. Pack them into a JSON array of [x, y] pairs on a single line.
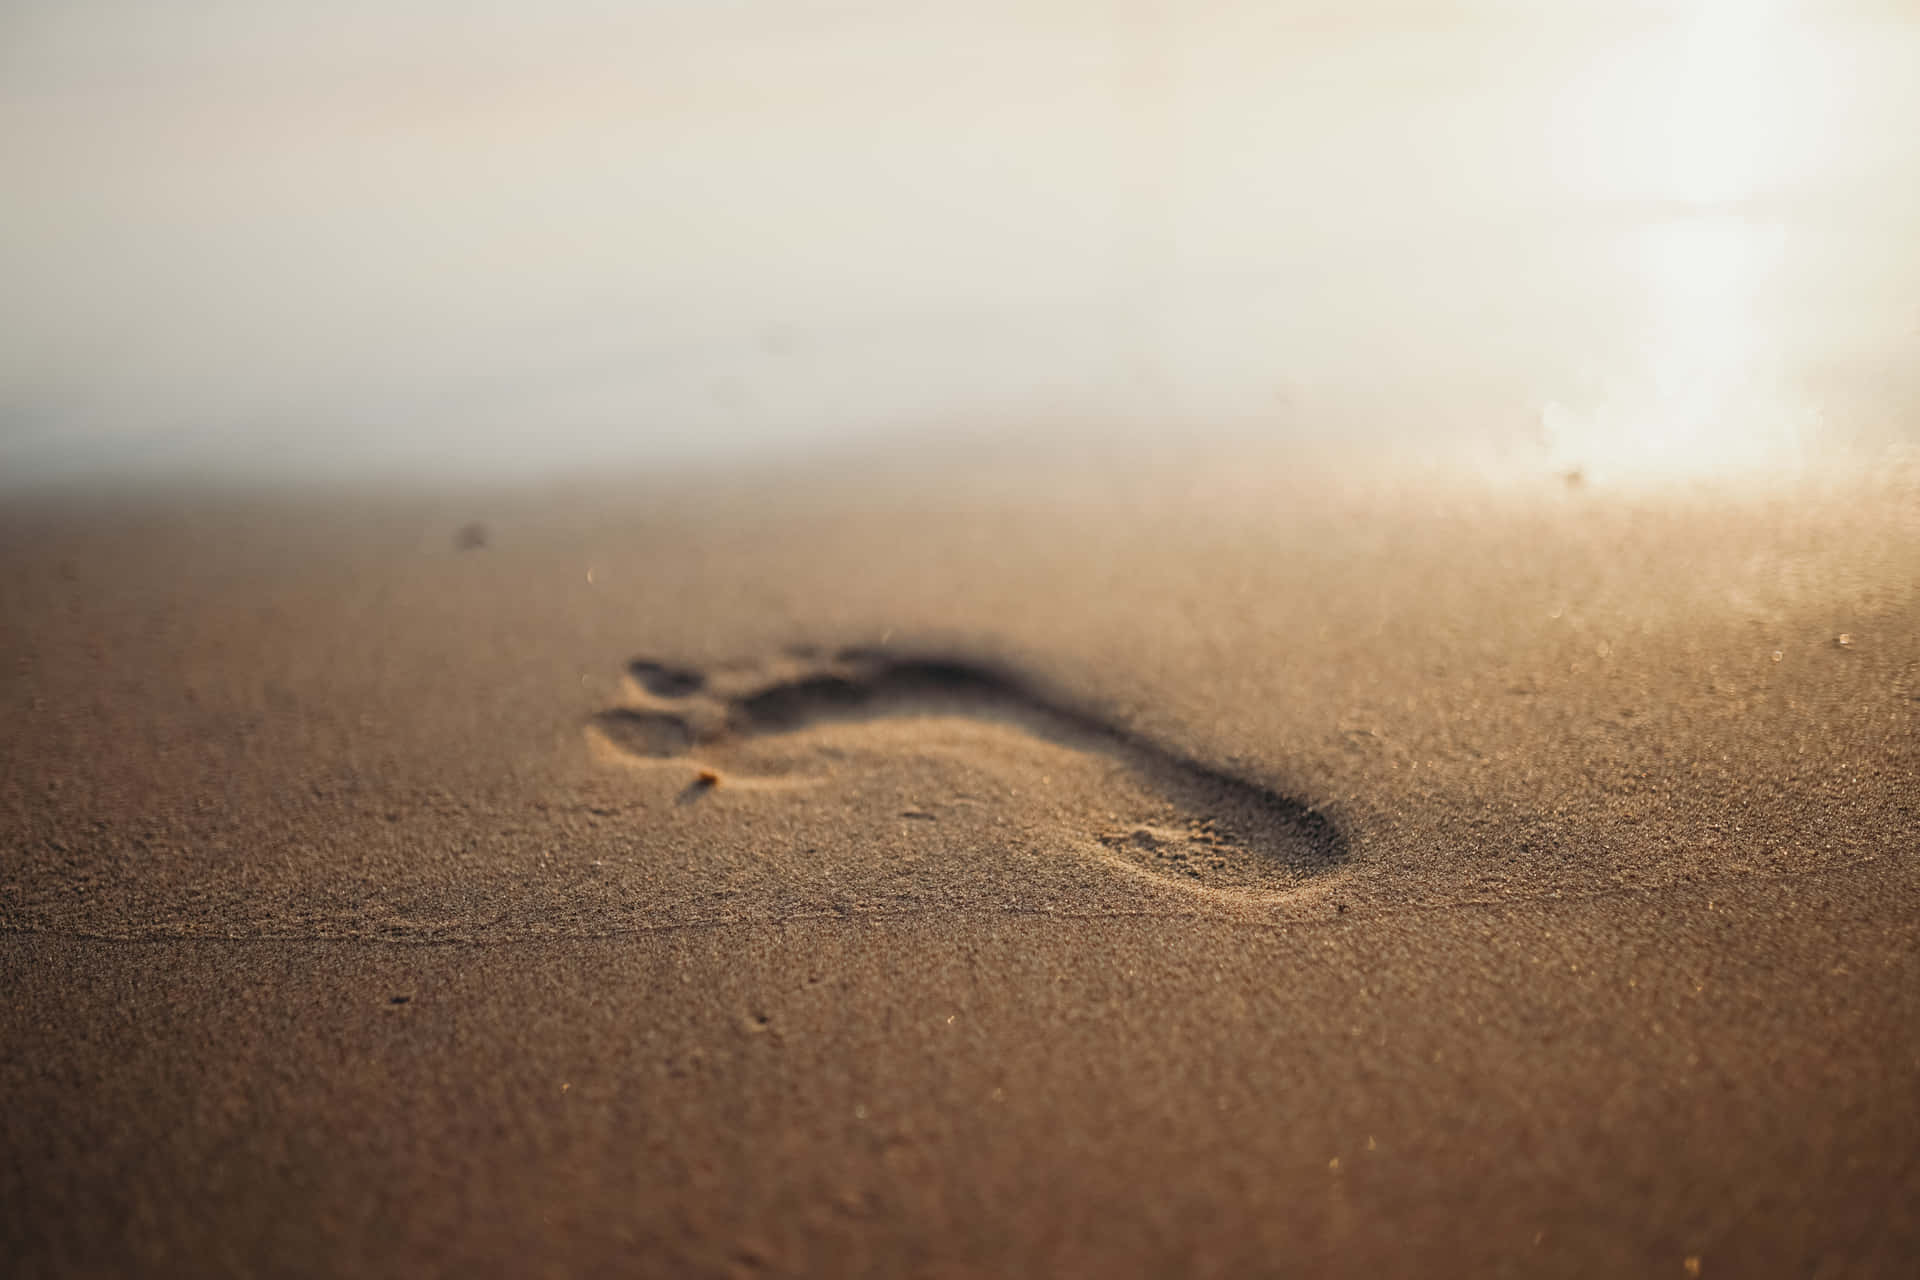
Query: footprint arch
[[1173, 818]]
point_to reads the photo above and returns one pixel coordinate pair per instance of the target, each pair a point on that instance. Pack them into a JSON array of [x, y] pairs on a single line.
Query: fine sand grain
[[1228, 869]]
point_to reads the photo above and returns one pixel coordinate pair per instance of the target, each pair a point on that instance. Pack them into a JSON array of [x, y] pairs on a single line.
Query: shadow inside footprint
[[666, 681], [1229, 833], [646, 733]]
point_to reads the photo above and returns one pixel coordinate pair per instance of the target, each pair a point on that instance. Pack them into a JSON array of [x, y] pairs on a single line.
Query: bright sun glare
[[1721, 102], [1701, 404], [1721, 108]]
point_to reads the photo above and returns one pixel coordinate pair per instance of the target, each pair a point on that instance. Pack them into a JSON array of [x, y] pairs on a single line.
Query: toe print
[[646, 733], [1164, 815]]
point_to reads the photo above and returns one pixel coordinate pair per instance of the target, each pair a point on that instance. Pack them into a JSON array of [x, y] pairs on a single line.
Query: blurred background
[[428, 241]]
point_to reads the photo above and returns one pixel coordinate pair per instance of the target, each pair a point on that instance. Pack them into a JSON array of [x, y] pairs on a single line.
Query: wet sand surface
[[1228, 868]]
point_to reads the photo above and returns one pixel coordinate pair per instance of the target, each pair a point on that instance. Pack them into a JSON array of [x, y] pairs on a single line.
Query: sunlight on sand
[[1728, 100], [1723, 107], [1704, 403]]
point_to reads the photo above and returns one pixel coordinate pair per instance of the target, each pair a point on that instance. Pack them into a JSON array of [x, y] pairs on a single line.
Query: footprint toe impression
[[1171, 817], [646, 733]]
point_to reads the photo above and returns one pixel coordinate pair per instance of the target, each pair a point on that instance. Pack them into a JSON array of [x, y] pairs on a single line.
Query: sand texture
[[1213, 869]]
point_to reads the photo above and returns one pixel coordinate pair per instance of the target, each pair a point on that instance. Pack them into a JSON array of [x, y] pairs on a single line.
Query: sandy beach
[[1239, 866], [1012, 639]]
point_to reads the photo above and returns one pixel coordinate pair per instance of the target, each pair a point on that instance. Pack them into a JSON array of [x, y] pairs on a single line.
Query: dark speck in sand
[[472, 537]]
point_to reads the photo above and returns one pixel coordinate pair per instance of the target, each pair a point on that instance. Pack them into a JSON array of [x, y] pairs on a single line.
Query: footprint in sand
[[1159, 812]]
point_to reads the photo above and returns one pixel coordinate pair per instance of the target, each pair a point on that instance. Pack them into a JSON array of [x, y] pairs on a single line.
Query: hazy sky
[[270, 236]]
